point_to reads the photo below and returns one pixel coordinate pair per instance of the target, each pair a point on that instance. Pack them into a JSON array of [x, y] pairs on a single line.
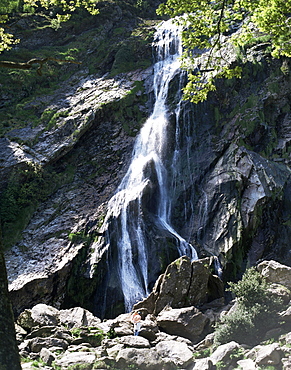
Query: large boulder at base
[[178, 352], [203, 364], [133, 341], [74, 358], [186, 322], [37, 344], [122, 325], [47, 356], [149, 327], [39, 315], [78, 317], [223, 353], [269, 355], [184, 284], [275, 272], [45, 315], [247, 364], [143, 359]]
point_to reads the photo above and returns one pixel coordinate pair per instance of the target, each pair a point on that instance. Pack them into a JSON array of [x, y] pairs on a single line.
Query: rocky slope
[[170, 338]]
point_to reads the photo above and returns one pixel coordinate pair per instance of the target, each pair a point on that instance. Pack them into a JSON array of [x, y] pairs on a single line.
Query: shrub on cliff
[[255, 313]]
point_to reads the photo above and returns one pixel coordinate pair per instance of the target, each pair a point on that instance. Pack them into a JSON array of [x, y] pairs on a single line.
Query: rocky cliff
[[66, 143]]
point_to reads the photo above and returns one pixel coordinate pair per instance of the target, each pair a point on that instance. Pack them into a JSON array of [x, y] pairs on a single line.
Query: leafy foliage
[[205, 25], [255, 313], [60, 11]]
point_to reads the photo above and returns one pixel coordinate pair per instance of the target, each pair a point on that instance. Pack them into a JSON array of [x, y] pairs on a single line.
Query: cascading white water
[[148, 153]]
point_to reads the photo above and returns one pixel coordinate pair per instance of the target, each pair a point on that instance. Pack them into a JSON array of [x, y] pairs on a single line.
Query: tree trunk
[[9, 356]]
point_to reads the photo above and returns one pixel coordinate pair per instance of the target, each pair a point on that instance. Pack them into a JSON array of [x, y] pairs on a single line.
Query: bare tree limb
[[31, 62]]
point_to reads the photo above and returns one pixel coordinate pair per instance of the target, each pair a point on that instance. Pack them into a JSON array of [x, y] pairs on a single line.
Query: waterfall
[[147, 168]]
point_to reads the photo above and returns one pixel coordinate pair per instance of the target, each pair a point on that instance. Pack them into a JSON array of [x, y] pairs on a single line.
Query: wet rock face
[[235, 203], [234, 180]]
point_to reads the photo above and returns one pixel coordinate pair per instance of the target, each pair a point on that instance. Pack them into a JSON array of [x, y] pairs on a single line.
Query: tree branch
[[218, 29], [31, 62]]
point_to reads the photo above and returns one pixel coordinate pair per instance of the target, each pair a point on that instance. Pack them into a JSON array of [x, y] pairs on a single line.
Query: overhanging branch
[[31, 62]]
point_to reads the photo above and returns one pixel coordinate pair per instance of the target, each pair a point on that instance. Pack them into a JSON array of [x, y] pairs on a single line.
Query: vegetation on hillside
[[206, 25], [255, 312], [59, 11]]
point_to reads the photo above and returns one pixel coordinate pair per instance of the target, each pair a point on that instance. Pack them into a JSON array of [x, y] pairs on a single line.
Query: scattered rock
[[36, 344], [275, 272], [247, 364], [223, 353], [174, 351], [203, 364], [74, 358], [269, 355], [47, 356], [143, 359], [77, 317], [186, 322]]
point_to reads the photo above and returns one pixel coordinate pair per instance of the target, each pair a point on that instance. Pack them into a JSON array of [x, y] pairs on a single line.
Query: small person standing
[[136, 320]]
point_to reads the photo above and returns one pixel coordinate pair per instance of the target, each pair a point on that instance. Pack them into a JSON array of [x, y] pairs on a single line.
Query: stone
[[286, 362], [275, 272], [149, 328], [42, 332], [143, 359], [76, 358], [203, 364], [273, 333], [20, 330], [36, 344], [114, 350], [47, 356], [177, 352], [62, 333], [223, 353], [280, 291], [247, 364], [286, 315], [287, 338], [45, 315], [25, 320], [77, 317], [199, 286], [134, 341], [186, 322], [162, 336], [24, 347], [92, 336], [30, 366], [269, 355], [122, 325], [205, 342]]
